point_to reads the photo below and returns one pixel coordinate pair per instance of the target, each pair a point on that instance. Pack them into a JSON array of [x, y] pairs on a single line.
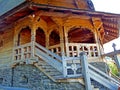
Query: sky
[[112, 6]]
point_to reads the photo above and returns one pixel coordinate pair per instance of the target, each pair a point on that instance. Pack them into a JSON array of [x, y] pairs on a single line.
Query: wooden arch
[[40, 37], [54, 38], [81, 35], [24, 36]]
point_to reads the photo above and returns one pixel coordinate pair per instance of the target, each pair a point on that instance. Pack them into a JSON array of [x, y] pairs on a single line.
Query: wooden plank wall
[[6, 47]]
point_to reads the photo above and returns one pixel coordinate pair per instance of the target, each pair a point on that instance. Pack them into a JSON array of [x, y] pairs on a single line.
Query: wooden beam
[[60, 14]]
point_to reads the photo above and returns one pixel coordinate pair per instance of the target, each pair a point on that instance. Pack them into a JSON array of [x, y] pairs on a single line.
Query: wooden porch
[[32, 52]]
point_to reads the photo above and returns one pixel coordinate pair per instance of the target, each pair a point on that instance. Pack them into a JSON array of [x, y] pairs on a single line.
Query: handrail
[[103, 74], [27, 44], [50, 47], [22, 51], [98, 75], [115, 77], [103, 81], [48, 57], [57, 57]]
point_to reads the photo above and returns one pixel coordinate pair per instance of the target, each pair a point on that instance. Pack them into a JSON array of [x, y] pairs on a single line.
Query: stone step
[[42, 63], [59, 77], [54, 75], [93, 88], [49, 69], [46, 67]]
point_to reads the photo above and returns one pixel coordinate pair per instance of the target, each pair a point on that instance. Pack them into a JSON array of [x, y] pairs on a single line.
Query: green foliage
[[113, 68]]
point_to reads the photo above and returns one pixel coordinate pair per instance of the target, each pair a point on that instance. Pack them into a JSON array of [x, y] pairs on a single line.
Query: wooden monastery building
[[55, 45]]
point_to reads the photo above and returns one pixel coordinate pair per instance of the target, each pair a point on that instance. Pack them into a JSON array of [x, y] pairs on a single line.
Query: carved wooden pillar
[[61, 28], [96, 26], [47, 40], [33, 39], [66, 40], [16, 34]]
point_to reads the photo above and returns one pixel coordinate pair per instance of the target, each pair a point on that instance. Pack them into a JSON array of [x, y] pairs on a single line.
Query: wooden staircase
[[55, 67], [54, 74], [48, 70], [51, 65]]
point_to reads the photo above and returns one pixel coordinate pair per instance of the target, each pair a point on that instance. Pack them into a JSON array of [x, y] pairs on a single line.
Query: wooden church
[[55, 45]]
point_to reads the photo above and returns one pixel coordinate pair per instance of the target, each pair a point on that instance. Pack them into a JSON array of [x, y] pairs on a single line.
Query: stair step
[[57, 74], [50, 70], [95, 88], [44, 64], [59, 77], [47, 67]]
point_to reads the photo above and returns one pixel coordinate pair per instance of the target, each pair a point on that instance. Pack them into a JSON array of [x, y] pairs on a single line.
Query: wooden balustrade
[[22, 52], [55, 49], [72, 67], [73, 49]]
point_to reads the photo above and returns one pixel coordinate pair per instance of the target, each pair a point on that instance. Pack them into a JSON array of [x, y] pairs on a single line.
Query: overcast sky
[[112, 6]]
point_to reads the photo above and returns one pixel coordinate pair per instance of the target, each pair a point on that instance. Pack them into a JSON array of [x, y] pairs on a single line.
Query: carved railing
[[73, 49], [90, 71], [49, 57], [55, 49], [22, 52], [71, 67]]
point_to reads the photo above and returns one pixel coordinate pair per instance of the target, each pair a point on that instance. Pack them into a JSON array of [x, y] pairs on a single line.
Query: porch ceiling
[[110, 21]]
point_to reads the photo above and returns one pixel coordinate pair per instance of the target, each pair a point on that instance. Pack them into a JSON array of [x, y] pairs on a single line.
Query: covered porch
[[60, 49], [67, 43]]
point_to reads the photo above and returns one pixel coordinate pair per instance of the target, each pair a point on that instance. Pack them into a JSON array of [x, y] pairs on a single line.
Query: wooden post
[[33, 38], [66, 41], [117, 61], [64, 65], [62, 43], [85, 70]]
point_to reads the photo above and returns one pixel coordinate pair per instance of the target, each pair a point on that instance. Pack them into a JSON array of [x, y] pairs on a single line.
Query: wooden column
[[33, 39], [66, 41], [61, 29], [85, 71], [14, 44], [96, 33], [47, 40]]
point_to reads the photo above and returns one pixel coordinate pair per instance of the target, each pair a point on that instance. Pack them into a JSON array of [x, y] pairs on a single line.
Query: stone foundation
[[29, 76]]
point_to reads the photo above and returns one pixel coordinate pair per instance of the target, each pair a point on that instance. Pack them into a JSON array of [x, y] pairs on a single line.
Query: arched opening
[[85, 40], [54, 38], [40, 37], [24, 36], [81, 35]]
